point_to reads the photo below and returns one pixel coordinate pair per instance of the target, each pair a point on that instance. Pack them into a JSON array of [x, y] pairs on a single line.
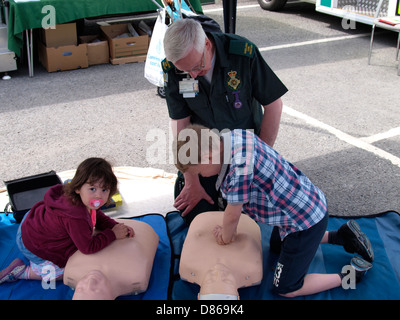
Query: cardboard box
[[98, 52], [125, 47], [123, 60], [63, 57], [62, 35]]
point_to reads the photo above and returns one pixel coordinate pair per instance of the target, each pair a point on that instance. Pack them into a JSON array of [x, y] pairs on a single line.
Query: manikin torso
[[221, 269], [122, 268]]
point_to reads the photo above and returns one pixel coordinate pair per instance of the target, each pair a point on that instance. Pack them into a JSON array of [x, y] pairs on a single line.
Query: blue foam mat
[[32, 290], [382, 282]]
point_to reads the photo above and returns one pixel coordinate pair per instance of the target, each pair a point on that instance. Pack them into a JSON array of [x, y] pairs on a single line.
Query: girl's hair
[[91, 170], [181, 37]]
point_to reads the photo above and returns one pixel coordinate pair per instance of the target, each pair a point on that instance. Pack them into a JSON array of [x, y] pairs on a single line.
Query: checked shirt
[[271, 189]]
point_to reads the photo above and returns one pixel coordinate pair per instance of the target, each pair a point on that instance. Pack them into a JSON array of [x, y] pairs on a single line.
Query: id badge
[[189, 87]]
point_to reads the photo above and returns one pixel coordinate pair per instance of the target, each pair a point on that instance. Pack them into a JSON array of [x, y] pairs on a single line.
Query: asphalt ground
[[340, 124]]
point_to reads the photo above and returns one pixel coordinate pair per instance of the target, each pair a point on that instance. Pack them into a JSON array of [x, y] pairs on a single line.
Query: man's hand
[[191, 194]]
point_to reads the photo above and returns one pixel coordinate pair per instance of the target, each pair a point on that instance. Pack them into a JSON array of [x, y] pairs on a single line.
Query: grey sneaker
[[10, 274]]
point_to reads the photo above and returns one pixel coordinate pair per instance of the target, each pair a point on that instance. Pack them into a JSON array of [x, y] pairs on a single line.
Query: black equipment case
[[25, 192]]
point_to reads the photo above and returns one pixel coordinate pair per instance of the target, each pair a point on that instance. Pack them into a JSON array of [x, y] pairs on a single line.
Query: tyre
[[161, 92], [272, 5]]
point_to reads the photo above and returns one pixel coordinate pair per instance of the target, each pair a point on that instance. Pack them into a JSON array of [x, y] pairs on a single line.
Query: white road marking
[[296, 44], [312, 42], [381, 136], [237, 8], [356, 142]]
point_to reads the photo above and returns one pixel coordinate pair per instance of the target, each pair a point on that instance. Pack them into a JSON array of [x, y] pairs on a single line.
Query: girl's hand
[[122, 231]]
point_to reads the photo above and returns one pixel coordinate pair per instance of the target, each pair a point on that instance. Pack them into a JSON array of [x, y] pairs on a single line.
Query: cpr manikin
[[220, 270], [121, 268]]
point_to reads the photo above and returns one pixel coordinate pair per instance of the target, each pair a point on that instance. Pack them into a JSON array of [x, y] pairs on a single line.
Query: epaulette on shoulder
[[241, 47], [166, 65]]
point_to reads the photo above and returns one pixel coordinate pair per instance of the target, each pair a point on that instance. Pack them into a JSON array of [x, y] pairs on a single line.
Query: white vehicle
[[356, 10], [363, 11]]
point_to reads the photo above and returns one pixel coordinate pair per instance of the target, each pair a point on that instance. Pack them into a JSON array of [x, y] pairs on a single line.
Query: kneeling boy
[[255, 179]]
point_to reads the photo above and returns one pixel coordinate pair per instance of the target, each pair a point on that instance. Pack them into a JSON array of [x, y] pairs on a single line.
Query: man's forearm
[[271, 121]]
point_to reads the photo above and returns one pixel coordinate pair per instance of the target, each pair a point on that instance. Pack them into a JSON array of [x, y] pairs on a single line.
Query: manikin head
[[219, 283], [93, 286]]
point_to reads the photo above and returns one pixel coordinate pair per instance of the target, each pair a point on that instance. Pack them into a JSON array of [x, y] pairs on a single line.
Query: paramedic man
[[230, 81]]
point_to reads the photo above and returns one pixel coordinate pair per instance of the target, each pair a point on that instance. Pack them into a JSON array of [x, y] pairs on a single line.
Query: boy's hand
[[122, 231], [218, 236]]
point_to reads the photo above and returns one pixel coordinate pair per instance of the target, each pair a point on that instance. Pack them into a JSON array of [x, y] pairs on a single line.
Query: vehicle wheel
[[272, 5], [161, 92]]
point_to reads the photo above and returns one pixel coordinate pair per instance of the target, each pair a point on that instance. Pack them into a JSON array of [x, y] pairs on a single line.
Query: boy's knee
[[287, 291], [289, 295]]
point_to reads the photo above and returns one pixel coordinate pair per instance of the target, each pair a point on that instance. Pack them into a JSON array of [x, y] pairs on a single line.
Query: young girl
[[61, 224]]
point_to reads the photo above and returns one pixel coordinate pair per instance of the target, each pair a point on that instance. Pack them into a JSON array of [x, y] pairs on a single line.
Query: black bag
[[25, 192], [208, 24]]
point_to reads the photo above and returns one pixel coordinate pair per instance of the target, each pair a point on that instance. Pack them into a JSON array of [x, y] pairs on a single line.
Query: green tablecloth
[[29, 15]]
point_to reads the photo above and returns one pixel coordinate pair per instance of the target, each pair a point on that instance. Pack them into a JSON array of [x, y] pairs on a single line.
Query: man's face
[[196, 63]]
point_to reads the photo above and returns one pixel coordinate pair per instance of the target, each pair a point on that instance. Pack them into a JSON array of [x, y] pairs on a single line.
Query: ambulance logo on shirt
[[233, 81], [234, 84]]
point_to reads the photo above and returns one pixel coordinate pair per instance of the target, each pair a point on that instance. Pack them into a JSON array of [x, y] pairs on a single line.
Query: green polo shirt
[[241, 81]]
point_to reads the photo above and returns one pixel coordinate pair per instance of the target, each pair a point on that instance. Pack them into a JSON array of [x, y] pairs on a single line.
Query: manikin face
[[196, 63], [93, 191], [93, 286], [219, 279]]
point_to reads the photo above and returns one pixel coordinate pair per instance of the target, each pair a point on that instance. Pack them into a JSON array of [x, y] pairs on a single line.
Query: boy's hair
[[91, 170], [192, 143]]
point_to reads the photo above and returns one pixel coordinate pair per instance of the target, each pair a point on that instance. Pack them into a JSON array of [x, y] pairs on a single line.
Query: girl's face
[[93, 191]]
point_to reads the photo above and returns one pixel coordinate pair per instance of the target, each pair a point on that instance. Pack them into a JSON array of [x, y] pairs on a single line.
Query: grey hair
[[182, 36]]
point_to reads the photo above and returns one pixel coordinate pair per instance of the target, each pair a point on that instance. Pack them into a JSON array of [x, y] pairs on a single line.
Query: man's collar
[[219, 49]]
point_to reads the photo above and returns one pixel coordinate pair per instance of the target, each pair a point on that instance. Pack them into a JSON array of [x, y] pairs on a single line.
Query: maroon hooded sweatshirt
[[54, 229]]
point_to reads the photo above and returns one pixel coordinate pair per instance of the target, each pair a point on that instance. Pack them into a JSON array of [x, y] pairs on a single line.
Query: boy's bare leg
[[325, 237], [314, 283]]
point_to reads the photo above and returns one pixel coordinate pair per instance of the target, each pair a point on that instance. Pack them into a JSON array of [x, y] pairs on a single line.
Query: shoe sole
[[360, 264], [362, 238]]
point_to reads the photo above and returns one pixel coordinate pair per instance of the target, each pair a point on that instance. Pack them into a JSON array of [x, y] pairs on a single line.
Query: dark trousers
[[296, 252]]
